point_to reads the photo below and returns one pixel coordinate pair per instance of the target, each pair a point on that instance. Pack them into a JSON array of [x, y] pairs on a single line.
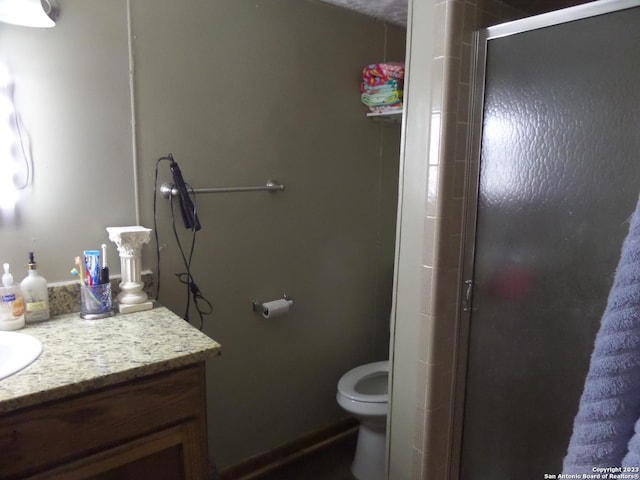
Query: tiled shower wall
[[444, 217]]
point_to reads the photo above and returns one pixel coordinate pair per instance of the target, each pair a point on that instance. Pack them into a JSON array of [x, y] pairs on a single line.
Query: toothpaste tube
[[92, 267]]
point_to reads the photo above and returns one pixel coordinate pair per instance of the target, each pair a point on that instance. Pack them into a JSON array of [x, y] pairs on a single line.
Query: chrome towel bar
[[168, 189]]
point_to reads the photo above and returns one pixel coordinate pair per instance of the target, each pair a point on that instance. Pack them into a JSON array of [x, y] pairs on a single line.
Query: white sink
[[17, 350]]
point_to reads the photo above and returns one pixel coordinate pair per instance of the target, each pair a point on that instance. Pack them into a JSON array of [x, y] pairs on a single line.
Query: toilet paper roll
[[276, 308]]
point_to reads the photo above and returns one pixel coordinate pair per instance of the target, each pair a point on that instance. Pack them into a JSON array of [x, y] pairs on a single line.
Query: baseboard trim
[[265, 462]]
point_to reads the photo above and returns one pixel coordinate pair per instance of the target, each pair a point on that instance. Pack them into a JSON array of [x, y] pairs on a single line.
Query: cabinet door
[[109, 428], [171, 454]]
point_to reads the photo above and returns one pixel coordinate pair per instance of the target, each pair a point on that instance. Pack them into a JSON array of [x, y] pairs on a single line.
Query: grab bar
[[168, 189]]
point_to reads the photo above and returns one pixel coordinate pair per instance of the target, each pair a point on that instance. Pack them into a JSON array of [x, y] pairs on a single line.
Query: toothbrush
[[80, 265], [104, 272]]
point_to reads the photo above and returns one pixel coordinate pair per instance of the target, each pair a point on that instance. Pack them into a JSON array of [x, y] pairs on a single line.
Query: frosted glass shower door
[[559, 177]]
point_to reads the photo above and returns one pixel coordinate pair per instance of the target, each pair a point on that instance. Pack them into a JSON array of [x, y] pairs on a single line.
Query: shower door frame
[[480, 45]]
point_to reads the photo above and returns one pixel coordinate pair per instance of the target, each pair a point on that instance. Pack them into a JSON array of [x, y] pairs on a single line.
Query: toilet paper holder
[[259, 306]]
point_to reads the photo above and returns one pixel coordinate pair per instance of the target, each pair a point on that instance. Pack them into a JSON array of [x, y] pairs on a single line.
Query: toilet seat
[[347, 385]]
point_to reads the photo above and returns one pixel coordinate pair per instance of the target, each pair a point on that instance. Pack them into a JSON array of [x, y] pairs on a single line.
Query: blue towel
[[632, 459], [603, 430]]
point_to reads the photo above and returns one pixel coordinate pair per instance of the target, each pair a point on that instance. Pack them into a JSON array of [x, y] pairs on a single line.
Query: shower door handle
[[466, 304]]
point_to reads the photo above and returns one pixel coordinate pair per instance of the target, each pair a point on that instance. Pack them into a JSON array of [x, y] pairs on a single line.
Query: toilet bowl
[[364, 393]]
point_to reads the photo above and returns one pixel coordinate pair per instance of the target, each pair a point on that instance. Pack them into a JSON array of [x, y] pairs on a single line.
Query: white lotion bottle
[[35, 293], [11, 303]]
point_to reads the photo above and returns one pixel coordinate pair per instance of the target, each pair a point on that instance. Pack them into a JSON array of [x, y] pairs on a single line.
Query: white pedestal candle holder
[[129, 240]]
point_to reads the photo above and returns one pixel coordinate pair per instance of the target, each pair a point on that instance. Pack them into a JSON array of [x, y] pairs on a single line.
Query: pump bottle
[[11, 303], [35, 293]]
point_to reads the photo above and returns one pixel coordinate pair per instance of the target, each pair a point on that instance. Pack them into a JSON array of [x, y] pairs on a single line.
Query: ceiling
[[392, 11], [395, 11]]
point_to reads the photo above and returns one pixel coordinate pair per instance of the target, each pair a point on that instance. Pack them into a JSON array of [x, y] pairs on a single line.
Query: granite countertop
[[82, 355]]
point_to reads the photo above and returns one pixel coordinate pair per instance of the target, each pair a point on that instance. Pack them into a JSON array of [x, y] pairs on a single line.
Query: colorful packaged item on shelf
[[382, 86]]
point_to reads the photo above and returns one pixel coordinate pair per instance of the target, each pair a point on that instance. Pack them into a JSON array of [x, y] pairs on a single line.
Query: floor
[[332, 463]]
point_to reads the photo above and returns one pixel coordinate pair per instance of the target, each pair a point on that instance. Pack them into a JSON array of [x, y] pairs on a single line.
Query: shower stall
[[556, 178]]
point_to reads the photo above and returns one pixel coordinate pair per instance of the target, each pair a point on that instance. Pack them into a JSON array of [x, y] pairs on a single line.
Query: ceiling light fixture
[[29, 13]]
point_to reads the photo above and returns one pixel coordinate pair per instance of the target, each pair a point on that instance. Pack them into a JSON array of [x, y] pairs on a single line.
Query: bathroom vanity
[[117, 398]]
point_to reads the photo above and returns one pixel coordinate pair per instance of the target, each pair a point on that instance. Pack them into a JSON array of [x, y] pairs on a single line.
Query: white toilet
[[364, 393]]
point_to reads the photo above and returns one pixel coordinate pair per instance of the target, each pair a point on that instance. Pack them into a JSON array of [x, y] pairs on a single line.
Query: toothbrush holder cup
[[95, 301]]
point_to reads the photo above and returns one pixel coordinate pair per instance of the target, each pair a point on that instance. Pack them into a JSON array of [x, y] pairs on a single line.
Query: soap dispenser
[[35, 293], [11, 303]]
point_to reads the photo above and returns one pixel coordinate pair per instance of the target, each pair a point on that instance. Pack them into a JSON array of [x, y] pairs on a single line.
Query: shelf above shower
[[391, 117]]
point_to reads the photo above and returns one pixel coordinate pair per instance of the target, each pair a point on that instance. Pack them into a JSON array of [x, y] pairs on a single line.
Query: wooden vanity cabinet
[[152, 427]]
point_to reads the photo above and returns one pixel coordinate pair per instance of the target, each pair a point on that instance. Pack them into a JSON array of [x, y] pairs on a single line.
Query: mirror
[[74, 102]]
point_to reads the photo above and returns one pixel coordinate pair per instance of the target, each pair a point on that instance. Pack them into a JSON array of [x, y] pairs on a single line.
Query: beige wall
[[408, 287], [239, 92]]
